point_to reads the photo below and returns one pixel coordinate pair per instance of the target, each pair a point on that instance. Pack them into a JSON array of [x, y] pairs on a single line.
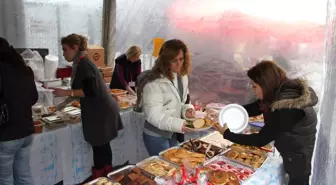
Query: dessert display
[[131, 176], [259, 118], [217, 139], [259, 151], [102, 181], [124, 105], [180, 156], [202, 147], [235, 170], [118, 92], [75, 104], [157, 167], [250, 158], [218, 177], [198, 123]]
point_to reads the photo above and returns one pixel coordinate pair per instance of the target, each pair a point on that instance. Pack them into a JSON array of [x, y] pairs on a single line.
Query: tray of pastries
[[118, 92], [220, 176], [157, 167], [264, 149], [247, 157], [130, 175], [181, 156], [220, 163], [196, 145], [102, 181]]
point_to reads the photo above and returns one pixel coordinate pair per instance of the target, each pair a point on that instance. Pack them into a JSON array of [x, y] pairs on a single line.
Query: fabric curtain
[[109, 31], [324, 162], [12, 27]]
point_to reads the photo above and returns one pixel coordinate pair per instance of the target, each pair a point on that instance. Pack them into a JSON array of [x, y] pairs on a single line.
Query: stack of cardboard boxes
[[96, 55], [107, 73]]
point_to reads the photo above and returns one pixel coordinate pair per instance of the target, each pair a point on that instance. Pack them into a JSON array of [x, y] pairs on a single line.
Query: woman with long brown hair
[[100, 112], [162, 94], [290, 119]]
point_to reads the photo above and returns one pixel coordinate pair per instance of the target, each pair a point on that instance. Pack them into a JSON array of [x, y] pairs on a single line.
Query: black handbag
[[3, 107]]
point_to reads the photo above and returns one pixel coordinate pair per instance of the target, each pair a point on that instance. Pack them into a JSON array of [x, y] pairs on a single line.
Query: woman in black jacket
[[290, 119], [17, 95], [100, 112]]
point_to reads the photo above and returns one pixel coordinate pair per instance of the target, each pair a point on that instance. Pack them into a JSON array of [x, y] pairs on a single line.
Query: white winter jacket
[[162, 104]]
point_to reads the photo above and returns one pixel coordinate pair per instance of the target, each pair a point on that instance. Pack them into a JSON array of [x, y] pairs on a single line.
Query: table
[[63, 154]]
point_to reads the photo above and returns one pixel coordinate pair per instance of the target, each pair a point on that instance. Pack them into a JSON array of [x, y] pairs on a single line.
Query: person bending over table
[[127, 69], [100, 112], [290, 119], [163, 94]]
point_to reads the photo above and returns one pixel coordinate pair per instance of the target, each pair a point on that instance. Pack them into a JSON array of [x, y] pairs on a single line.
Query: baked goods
[[158, 167], [247, 157], [199, 146], [75, 104], [259, 118], [180, 156], [216, 138], [103, 181], [124, 105], [118, 92], [198, 123], [234, 172], [217, 177], [131, 177]]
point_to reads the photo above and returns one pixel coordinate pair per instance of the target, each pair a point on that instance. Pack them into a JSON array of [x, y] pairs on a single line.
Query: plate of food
[[199, 124], [118, 92], [247, 157], [157, 167], [220, 176], [124, 105], [202, 147], [220, 163], [130, 175], [180, 156]]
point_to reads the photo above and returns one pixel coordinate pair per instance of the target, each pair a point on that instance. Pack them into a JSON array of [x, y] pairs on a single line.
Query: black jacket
[[291, 122], [20, 94]]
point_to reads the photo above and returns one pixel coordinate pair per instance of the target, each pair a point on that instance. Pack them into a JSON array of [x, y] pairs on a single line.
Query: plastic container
[[38, 125], [50, 67]]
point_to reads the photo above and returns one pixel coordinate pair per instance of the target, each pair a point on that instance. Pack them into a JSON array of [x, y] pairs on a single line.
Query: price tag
[[131, 84]]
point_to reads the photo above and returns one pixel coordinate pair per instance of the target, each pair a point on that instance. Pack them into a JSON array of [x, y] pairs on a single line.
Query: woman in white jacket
[[163, 94]]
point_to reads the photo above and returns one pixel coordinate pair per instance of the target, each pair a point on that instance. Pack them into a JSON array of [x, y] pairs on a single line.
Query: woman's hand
[[220, 129], [61, 92], [186, 129], [190, 114], [130, 91]]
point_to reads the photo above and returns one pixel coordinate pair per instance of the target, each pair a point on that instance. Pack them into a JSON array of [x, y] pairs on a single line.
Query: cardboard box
[[107, 74], [108, 79], [105, 69], [96, 55]]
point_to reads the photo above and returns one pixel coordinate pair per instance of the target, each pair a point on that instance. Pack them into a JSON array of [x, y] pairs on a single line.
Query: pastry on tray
[[158, 168], [132, 177], [234, 172], [180, 156], [202, 147], [246, 157], [218, 177]]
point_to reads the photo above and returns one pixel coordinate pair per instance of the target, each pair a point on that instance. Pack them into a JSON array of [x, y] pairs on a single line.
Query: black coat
[[124, 72], [291, 122], [100, 112], [19, 94]]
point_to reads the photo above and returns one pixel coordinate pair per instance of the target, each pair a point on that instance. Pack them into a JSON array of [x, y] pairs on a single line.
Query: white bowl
[[235, 116]]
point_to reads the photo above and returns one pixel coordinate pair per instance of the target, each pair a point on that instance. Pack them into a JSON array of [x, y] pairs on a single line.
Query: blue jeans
[[14, 162], [155, 145]]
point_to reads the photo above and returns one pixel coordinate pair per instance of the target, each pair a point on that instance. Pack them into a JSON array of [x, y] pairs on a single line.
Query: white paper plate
[[235, 116]]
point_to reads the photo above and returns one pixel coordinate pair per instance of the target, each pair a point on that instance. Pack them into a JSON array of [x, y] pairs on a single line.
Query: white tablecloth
[[64, 155]]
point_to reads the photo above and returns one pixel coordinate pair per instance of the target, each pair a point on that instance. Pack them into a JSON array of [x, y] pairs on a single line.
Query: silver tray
[[241, 163], [125, 168], [139, 164], [96, 180], [126, 171], [232, 163], [221, 151]]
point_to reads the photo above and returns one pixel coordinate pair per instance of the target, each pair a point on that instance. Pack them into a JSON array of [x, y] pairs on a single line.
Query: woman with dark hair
[[163, 94], [17, 96], [290, 119], [100, 112]]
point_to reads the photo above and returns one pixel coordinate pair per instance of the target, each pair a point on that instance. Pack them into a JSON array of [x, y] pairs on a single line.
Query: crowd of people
[[162, 94]]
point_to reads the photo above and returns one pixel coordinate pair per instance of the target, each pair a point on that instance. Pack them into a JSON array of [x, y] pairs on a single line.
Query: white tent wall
[[324, 164]]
